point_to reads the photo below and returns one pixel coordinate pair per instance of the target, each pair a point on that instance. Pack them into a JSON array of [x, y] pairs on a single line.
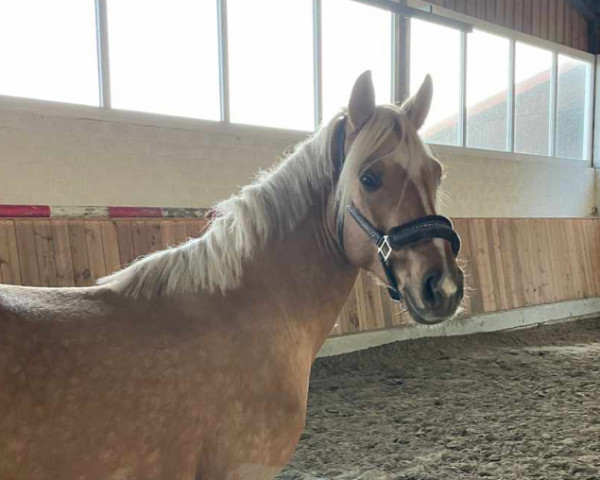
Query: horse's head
[[389, 179]]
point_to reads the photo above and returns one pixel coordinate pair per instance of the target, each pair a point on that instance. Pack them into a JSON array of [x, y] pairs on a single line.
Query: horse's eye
[[370, 182]]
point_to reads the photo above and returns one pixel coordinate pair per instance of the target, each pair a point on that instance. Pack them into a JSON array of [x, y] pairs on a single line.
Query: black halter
[[399, 237]]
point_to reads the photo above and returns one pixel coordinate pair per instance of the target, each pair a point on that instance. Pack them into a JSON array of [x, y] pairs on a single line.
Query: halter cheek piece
[[399, 237]]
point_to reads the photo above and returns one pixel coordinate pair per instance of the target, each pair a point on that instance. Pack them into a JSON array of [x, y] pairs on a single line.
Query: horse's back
[[74, 368], [42, 303]]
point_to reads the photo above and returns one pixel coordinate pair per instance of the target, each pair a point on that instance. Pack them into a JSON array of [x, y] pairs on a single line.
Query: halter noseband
[[399, 237]]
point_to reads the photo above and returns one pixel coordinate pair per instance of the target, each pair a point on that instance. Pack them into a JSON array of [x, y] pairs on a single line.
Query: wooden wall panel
[[554, 20], [45, 253], [63, 261], [10, 271], [79, 254], [508, 263], [490, 10], [28, 263]]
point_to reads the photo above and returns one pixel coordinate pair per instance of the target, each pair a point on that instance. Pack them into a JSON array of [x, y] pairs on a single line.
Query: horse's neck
[[304, 277]]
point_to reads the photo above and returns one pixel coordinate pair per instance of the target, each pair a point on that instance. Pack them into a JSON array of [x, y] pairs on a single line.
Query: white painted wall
[[54, 154]]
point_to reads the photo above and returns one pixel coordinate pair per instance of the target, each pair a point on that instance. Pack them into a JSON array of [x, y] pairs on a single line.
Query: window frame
[[555, 48], [400, 73]]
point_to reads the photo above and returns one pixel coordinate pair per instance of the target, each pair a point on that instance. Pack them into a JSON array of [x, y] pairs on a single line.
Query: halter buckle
[[384, 249]]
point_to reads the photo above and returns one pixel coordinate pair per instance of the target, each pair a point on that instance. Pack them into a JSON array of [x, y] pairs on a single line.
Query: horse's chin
[[421, 316]]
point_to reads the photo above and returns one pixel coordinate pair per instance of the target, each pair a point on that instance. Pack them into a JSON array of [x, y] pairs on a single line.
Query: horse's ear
[[417, 107], [362, 101]]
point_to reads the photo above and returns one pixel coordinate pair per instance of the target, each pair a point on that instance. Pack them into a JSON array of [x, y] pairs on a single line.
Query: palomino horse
[[193, 363]]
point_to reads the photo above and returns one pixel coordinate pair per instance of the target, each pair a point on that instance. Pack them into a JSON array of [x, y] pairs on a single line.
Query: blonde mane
[[272, 205]]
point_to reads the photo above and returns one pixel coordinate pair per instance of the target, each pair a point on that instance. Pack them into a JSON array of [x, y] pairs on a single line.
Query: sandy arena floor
[[517, 405]]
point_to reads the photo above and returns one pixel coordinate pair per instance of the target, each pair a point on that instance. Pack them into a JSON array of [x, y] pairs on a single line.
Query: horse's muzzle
[[440, 295]]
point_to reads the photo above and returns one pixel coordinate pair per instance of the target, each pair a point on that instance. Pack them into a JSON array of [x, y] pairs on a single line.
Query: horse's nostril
[[432, 294]]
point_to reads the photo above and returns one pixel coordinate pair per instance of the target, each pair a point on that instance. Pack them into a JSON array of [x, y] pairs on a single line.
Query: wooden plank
[[125, 241], [583, 35], [585, 261], [574, 29], [146, 237], [373, 303], [509, 13], [523, 256], [451, 4], [567, 21], [510, 234], [536, 18], [527, 26], [537, 262], [552, 4], [79, 254], [9, 254], [595, 226], [154, 236], [481, 256], [400, 314], [110, 246], [139, 233], [497, 264], [490, 10], [563, 277], [468, 7], [45, 253], [180, 232], [363, 313], [500, 12], [518, 15], [501, 231], [544, 18], [468, 254], [349, 320], [30, 273], [551, 254], [542, 251], [195, 228], [560, 21], [387, 307], [587, 255], [460, 6], [461, 228], [574, 261], [592, 249], [166, 234], [173, 233], [480, 8], [62, 253], [95, 249]]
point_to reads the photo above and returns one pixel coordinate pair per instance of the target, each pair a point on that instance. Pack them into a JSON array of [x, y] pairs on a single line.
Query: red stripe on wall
[[24, 211]]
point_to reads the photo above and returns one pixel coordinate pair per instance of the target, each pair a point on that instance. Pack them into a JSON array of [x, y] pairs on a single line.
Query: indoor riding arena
[[431, 270]]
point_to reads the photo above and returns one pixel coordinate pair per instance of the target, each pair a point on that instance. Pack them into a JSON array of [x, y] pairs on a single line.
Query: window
[[532, 99], [164, 56], [487, 91], [436, 50], [571, 114], [48, 50], [355, 38], [271, 63]]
